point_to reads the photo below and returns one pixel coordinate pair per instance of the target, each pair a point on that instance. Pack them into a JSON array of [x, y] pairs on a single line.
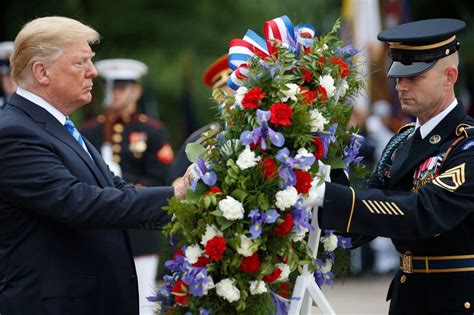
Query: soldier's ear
[[451, 76]]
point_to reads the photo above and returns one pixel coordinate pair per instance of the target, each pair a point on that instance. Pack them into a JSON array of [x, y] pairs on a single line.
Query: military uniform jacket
[[141, 148], [435, 220]]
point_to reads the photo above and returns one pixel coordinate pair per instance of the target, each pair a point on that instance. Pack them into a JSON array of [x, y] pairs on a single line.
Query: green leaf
[[207, 201], [335, 162], [224, 223], [195, 150], [217, 213], [239, 195]]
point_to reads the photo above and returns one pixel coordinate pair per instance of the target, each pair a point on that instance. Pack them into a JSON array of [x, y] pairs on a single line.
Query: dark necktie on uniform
[[75, 133], [417, 134]]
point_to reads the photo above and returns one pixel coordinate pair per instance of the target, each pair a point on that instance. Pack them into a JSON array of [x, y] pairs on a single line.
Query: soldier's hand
[[316, 196]]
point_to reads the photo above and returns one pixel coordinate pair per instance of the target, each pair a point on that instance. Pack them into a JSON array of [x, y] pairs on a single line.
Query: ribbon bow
[[276, 31]]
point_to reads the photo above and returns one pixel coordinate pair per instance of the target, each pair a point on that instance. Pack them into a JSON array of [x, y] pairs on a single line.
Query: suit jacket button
[[147, 226], [467, 305], [403, 279]]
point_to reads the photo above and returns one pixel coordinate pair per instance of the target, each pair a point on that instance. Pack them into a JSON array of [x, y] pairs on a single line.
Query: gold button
[[116, 148], [118, 128], [117, 138], [467, 305], [116, 158], [403, 279], [126, 118]]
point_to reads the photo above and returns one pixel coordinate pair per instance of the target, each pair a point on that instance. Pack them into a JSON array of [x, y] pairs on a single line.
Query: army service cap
[[416, 46]]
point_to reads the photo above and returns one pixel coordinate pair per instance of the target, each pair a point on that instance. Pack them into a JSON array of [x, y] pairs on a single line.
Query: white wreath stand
[[306, 291]]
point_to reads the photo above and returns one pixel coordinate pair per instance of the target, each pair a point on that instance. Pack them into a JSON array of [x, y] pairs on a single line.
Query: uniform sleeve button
[[403, 279], [467, 305]]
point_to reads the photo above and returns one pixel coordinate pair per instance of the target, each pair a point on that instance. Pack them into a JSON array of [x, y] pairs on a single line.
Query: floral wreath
[[243, 226]]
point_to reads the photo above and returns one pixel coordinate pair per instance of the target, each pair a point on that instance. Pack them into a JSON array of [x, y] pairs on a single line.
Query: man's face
[[70, 78], [125, 95], [421, 95]]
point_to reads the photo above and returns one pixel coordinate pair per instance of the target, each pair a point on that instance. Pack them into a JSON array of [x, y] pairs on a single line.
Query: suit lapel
[[54, 128], [416, 151], [99, 162]]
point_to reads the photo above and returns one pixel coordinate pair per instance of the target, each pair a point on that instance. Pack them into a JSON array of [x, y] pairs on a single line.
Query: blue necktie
[[75, 133]]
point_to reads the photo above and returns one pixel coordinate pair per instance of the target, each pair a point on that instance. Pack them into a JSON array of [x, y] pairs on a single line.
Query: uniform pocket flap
[[55, 288]]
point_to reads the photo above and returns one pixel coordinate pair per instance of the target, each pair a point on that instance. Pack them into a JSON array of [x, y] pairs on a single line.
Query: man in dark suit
[[7, 85], [422, 193], [63, 248]]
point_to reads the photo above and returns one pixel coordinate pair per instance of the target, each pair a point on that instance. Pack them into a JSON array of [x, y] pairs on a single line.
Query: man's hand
[[182, 184]]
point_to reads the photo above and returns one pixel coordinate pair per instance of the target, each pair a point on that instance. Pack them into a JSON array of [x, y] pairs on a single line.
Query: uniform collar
[[428, 126]]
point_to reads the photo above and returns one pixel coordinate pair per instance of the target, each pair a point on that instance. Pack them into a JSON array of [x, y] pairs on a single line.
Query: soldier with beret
[[136, 147], [8, 86], [422, 192]]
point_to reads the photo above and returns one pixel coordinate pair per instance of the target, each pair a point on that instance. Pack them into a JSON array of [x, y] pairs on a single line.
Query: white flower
[[329, 242], [303, 153], [325, 47], [327, 82], [285, 271], [317, 121], [226, 289], [327, 266], [208, 285], [257, 287], [239, 94], [298, 237], [231, 208], [342, 88], [247, 158], [245, 244], [192, 253], [286, 198], [293, 89], [211, 232]]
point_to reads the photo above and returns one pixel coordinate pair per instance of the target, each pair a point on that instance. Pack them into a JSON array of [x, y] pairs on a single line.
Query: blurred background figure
[[8, 87], [215, 77], [136, 147]]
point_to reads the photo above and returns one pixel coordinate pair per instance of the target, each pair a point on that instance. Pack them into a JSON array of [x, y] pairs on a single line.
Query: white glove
[[315, 195]]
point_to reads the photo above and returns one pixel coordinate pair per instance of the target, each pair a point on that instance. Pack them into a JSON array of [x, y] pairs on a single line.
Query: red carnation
[[285, 227], [180, 290], [303, 181], [215, 247], [343, 67], [308, 76], [322, 93], [202, 262], [268, 168], [273, 276], [179, 252], [250, 264], [308, 96], [322, 59], [252, 97], [284, 290], [319, 148], [213, 190], [280, 114]]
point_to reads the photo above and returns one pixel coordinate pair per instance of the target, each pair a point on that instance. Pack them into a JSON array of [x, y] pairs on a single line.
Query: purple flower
[[204, 311], [258, 219], [260, 134], [286, 169], [196, 278], [351, 152], [179, 263], [204, 172], [301, 218], [318, 276], [328, 137], [344, 242], [282, 305]]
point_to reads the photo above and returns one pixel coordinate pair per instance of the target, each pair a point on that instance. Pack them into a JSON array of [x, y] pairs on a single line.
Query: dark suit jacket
[[62, 246]]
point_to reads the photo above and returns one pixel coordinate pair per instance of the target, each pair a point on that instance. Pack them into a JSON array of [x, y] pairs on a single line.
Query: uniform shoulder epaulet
[[405, 127], [464, 140], [465, 130]]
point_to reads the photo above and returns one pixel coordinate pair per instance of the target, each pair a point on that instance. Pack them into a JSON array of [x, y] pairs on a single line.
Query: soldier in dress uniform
[[215, 77], [8, 87], [136, 147], [422, 192]]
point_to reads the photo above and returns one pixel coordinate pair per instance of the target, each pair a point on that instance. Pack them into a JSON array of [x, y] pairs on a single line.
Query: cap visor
[[399, 70]]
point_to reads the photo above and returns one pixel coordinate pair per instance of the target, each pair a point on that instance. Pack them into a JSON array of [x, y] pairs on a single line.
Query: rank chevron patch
[[452, 179]]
